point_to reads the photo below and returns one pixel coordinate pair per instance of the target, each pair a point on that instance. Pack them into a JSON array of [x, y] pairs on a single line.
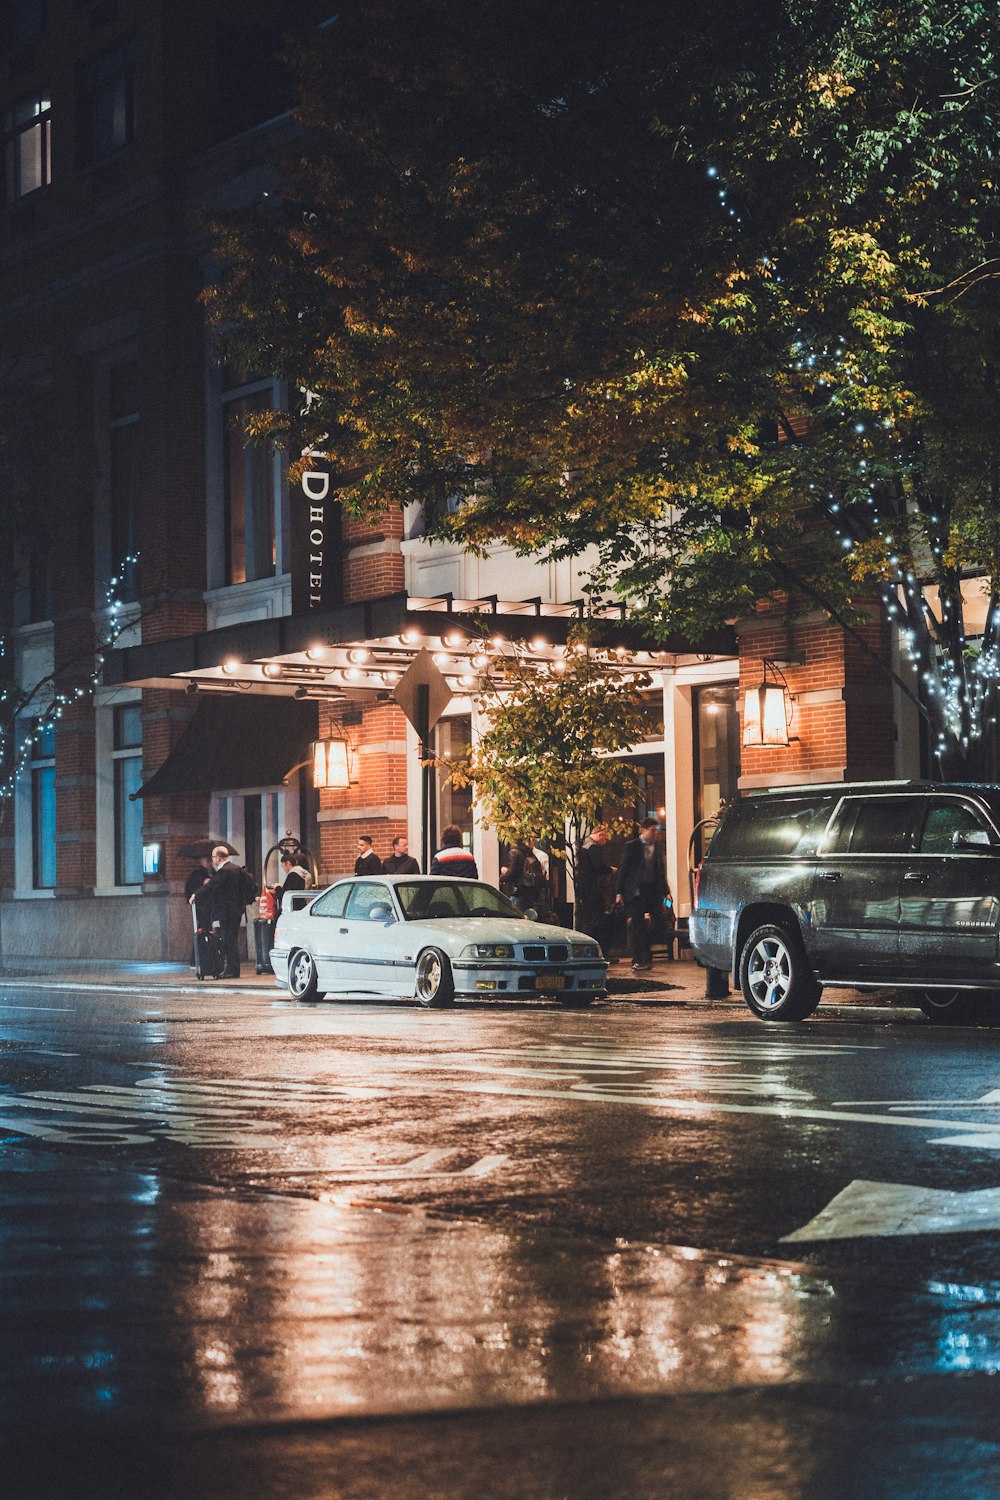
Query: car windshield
[[425, 899]]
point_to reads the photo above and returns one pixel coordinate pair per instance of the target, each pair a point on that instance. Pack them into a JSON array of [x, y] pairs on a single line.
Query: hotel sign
[[317, 552]]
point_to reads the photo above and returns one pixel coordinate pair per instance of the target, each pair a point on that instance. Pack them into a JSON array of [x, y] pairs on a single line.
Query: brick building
[[123, 121]]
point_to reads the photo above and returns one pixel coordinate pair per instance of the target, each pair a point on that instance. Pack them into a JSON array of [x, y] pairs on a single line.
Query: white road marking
[[596, 1094], [890, 1208], [66, 1010]]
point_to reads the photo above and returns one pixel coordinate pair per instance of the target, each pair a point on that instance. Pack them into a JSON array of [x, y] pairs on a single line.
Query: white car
[[430, 938]]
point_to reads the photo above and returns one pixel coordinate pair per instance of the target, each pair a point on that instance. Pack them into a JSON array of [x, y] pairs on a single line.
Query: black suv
[[871, 885]]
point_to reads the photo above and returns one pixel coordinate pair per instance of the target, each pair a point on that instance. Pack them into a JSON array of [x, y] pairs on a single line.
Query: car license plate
[[550, 982]]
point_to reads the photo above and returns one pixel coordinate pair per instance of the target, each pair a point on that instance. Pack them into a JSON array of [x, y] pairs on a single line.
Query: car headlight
[[488, 950], [585, 950]]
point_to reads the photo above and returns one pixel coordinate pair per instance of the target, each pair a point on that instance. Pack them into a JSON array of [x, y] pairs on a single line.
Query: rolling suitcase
[[209, 959], [263, 936]]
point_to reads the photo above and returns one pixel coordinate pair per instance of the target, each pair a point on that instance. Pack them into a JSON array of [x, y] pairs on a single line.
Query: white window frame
[[105, 758]]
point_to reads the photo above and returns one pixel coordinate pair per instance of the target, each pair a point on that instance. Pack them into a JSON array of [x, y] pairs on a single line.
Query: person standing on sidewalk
[[367, 862], [642, 890], [227, 908], [592, 892], [453, 858], [400, 861]]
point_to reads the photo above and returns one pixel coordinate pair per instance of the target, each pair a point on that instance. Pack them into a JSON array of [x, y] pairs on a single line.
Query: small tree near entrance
[[545, 764]]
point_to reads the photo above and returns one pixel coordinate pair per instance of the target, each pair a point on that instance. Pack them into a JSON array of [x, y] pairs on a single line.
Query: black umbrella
[[202, 848]]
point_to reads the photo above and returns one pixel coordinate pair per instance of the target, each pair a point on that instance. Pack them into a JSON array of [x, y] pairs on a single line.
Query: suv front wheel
[[951, 1007], [775, 977]]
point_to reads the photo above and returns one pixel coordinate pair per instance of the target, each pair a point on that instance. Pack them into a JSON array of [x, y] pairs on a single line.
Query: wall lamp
[[767, 708], [334, 763]]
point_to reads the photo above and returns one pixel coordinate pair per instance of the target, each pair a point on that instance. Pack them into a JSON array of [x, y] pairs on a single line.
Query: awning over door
[[236, 743]]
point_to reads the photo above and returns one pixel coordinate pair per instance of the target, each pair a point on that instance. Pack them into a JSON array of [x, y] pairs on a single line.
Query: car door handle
[[830, 875], [345, 929], [916, 877]]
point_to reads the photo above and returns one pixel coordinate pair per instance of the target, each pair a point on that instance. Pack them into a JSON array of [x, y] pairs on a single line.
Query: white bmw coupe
[[430, 938]]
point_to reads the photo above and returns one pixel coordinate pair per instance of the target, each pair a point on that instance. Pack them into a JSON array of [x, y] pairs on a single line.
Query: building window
[[43, 807], [28, 146], [127, 756], [249, 487], [123, 474], [106, 104]]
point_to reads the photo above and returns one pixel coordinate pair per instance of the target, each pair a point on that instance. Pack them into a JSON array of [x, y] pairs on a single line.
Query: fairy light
[[31, 714]]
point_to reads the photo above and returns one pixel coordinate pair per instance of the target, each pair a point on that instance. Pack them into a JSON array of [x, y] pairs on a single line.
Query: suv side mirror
[[975, 838]]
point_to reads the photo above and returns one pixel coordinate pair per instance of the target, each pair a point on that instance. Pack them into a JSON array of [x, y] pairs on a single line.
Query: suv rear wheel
[[775, 977]]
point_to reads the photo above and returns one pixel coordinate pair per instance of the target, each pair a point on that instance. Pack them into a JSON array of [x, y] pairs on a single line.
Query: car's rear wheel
[[434, 984], [775, 977], [302, 976], [952, 1007]]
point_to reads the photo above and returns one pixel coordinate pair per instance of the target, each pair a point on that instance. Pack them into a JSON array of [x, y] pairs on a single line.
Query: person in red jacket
[[452, 858]]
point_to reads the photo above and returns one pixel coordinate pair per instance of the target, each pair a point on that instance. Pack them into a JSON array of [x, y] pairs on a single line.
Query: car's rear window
[[760, 828]]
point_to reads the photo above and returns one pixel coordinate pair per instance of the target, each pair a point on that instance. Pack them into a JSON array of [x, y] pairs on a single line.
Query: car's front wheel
[[434, 983], [952, 1007], [775, 977], [303, 981]]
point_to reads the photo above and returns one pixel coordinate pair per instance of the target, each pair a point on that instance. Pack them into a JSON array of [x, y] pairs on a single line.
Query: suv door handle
[[830, 875], [917, 877]]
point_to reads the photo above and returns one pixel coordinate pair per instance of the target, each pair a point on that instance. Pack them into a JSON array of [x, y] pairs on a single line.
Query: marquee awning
[[358, 650]]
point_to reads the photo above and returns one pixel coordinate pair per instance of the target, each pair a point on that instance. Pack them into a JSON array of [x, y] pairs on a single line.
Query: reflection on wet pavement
[[192, 1306]]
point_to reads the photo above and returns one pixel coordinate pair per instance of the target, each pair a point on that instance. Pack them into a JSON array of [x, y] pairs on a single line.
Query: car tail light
[[694, 887]]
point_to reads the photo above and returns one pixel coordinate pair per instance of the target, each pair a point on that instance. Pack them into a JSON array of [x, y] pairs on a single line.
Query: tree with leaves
[[544, 763], [711, 296]]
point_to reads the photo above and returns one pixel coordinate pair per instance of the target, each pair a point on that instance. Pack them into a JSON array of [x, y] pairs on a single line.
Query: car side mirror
[[382, 913], [530, 914], [974, 838]]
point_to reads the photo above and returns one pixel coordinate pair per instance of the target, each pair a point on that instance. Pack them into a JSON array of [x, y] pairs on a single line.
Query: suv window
[[332, 902], [761, 828], [874, 825], [945, 819]]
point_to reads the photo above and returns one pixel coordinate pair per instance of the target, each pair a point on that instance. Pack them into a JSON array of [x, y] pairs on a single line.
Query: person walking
[[367, 862], [400, 861], [452, 858], [642, 890], [593, 878], [227, 908]]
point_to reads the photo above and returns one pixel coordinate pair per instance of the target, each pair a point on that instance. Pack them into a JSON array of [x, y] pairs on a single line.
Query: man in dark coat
[[400, 861], [227, 908], [367, 862], [642, 890], [592, 893]]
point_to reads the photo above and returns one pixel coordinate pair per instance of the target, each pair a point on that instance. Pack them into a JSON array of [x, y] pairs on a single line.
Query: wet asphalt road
[[259, 1249]]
